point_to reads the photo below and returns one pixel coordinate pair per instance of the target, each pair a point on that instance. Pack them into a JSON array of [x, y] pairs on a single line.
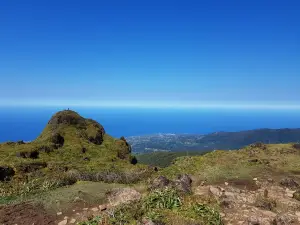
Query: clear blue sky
[[149, 52]]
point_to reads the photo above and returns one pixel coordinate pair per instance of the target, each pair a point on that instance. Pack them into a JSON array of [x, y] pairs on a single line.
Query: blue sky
[[142, 53]]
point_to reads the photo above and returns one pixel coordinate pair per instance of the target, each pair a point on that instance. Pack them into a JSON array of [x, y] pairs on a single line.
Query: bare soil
[[25, 214]]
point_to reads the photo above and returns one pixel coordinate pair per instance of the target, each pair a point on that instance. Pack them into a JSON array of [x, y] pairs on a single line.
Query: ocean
[[26, 124]]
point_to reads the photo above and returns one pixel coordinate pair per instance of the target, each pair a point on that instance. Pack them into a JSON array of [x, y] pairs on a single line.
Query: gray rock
[[285, 219]]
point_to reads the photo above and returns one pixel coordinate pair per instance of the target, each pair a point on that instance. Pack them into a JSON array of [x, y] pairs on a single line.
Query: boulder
[[123, 196], [183, 183], [6, 173]]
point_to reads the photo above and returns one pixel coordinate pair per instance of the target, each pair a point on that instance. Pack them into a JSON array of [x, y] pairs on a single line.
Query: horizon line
[[152, 104]]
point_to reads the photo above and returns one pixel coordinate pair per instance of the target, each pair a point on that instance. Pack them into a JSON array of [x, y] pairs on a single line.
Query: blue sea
[[26, 124]]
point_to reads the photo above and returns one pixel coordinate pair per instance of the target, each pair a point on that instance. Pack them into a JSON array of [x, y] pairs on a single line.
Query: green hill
[[70, 148]]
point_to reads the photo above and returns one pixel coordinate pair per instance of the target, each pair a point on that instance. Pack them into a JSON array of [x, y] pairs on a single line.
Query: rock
[[226, 183], [85, 209], [296, 195], [95, 209], [289, 182], [183, 183], [103, 207], [6, 173], [252, 220], [65, 218], [285, 219], [215, 191], [270, 180], [59, 213], [72, 220], [124, 149], [123, 196], [255, 179], [64, 222], [160, 182]]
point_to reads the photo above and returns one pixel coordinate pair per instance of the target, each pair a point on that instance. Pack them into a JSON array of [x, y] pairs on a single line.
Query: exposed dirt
[[24, 214]]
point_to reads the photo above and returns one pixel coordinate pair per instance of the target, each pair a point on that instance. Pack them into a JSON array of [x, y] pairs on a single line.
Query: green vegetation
[[162, 199], [70, 148], [164, 159], [244, 164]]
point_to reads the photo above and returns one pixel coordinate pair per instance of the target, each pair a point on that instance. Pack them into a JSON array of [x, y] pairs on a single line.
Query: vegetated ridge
[[213, 141]]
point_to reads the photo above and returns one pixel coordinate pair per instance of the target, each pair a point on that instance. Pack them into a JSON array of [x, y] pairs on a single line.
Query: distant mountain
[[217, 140]]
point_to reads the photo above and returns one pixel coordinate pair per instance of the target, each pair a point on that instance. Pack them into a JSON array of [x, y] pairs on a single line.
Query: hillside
[[70, 148], [163, 159], [76, 173], [208, 142]]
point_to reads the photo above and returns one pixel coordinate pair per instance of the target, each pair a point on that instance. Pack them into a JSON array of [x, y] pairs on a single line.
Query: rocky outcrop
[[6, 173], [123, 148], [67, 117]]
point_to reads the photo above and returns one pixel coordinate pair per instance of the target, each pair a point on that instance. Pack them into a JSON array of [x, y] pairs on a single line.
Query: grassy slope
[[65, 162], [220, 166], [164, 159]]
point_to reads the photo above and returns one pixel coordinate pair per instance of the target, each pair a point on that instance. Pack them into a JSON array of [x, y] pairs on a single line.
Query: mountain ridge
[[225, 140]]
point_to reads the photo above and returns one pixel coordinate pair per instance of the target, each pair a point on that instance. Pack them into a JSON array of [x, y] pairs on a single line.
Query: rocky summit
[[75, 173]]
